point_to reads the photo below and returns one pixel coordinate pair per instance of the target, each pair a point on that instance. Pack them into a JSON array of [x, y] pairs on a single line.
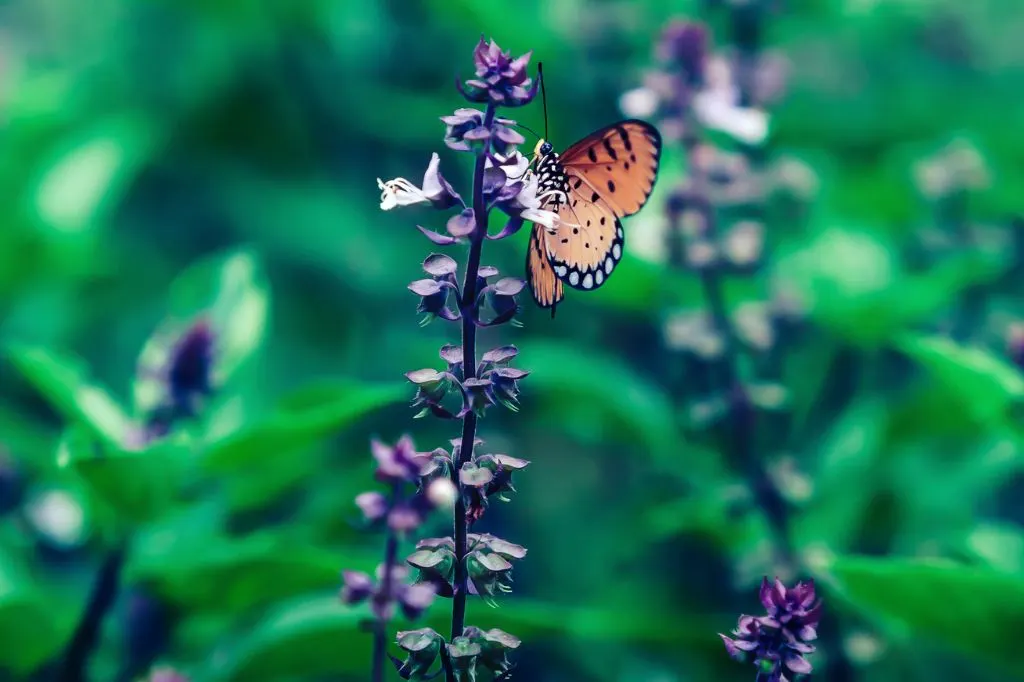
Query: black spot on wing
[[624, 134], [610, 149]]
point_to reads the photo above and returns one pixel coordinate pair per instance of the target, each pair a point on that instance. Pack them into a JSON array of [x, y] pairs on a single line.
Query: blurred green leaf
[[91, 174], [532, 619], [302, 418], [63, 382], [299, 639], [217, 572], [615, 396], [138, 485], [972, 610], [845, 474], [980, 382], [854, 283], [33, 625], [999, 546]]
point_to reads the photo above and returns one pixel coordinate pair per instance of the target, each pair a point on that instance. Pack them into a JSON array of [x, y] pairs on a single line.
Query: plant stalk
[[74, 664], [467, 305]]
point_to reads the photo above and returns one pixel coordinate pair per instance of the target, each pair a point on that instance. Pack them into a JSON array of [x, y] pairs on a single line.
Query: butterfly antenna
[[543, 96], [528, 129]]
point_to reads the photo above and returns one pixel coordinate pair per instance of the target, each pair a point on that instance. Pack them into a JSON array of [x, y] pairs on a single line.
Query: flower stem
[[467, 305], [380, 630], [742, 413], [73, 667]]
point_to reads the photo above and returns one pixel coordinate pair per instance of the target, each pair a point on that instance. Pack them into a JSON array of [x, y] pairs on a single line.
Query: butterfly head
[[542, 149]]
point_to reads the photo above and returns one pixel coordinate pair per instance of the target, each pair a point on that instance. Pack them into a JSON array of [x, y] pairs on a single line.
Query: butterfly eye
[[546, 148]]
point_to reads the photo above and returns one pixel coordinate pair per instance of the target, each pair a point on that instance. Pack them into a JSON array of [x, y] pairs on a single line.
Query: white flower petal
[[541, 217], [432, 178], [639, 103], [399, 192], [747, 125]]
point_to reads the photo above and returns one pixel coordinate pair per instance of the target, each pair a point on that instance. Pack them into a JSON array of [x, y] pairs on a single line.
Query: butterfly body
[[604, 177]]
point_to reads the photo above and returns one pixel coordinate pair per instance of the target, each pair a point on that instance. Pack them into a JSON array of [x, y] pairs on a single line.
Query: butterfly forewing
[[618, 163]]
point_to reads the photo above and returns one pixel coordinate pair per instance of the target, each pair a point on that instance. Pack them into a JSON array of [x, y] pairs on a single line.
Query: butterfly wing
[[546, 287], [587, 243], [618, 163]]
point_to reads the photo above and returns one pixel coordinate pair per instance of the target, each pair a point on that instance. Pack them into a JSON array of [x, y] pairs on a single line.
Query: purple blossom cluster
[[463, 564], [777, 642]]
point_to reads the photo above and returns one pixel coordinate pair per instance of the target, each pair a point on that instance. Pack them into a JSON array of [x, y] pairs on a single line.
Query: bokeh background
[[160, 157]]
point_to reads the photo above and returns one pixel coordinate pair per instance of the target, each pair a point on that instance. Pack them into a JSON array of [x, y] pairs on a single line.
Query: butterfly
[[591, 186]]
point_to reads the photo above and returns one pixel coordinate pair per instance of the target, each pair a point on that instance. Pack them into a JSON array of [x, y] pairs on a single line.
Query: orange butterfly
[[604, 177]]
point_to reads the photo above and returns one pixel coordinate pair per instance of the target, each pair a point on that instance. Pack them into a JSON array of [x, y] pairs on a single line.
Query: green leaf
[[217, 572], [33, 624], [972, 610], [854, 284], [63, 382], [999, 546], [90, 174], [299, 639], [619, 404], [981, 382], [301, 419], [138, 485], [846, 477]]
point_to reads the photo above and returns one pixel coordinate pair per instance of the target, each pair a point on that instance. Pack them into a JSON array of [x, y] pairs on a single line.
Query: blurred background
[[165, 158]]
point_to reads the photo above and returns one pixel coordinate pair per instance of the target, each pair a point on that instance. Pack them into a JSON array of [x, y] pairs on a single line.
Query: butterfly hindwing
[[618, 163], [546, 287], [587, 245]]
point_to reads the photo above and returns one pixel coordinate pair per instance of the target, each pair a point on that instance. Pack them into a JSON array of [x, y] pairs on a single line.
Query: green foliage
[[980, 382], [966, 609], [33, 622], [314, 412]]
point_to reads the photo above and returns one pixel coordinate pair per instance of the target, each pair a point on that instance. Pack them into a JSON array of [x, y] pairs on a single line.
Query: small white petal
[[399, 192], [432, 178], [746, 124], [639, 103], [546, 218]]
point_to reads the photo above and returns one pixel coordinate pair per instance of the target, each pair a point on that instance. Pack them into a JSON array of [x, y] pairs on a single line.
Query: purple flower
[[777, 642], [399, 463], [1015, 344], [187, 378], [466, 131], [500, 78], [384, 595], [685, 44]]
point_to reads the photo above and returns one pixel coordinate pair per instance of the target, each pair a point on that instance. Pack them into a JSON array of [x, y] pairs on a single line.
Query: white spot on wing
[[617, 251], [609, 264], [588, 281], [599, 277], [574, 278], [560, 270]]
